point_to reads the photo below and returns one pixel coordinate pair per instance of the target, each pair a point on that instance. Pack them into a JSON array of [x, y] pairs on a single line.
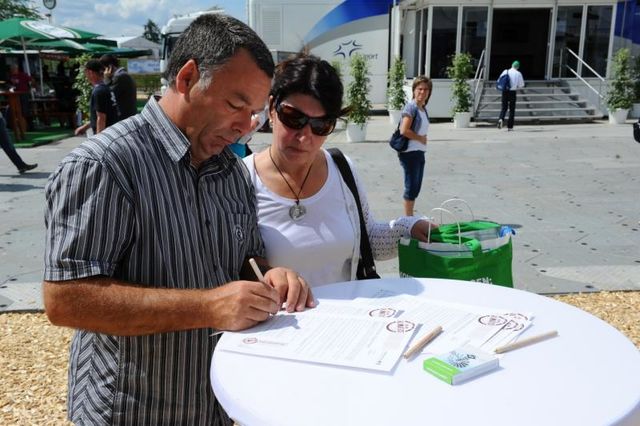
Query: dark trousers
[[7, 146], [508, 101], [413, 164]]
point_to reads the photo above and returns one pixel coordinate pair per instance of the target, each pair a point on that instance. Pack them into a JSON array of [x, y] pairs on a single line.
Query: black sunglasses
[[296, 119]]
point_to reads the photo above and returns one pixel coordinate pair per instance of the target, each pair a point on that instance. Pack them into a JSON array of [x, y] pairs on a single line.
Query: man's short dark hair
[[94, 65], [109, 60], [211, 40]]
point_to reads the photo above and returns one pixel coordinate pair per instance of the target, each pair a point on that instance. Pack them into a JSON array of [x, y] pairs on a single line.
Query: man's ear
[[272, 108], [187, 77]]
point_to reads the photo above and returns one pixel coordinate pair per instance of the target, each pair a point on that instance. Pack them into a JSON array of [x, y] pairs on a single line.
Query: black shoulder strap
[[366, 268]]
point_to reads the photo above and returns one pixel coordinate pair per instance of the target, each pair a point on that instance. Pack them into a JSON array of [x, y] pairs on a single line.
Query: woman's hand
[[420, 230]]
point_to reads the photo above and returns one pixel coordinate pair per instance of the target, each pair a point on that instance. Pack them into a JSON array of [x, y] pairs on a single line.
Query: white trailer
[[332, 29], [170, 33]]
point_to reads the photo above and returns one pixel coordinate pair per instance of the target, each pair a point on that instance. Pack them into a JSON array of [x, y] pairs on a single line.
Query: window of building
[[443, 39], [474, 32], [568, 24], [596, 46], [424, 26]]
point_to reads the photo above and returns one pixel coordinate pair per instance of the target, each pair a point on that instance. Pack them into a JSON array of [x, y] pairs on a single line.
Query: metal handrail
[[574, 72], [480, 66], [478, 79], [584, 81], [585, 64]]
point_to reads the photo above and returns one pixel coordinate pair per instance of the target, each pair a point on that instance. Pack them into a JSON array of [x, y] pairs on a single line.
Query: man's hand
[[292, 289], [242, 304], [81, 130]]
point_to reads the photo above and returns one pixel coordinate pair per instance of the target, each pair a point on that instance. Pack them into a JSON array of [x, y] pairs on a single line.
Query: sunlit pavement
[[571, 191]]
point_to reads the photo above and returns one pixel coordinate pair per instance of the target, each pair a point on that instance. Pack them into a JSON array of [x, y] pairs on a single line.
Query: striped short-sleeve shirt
[[128, 204]]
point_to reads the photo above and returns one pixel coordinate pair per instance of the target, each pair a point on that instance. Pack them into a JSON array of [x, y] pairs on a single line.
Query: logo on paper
[[383, 312], [401, 326], [492, 320]]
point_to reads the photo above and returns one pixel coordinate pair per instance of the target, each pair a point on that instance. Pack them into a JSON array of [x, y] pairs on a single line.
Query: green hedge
[[147, 83]]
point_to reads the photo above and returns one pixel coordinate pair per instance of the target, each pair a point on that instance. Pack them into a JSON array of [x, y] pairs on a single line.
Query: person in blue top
[[104, 109], [413, 158], [240, 147]]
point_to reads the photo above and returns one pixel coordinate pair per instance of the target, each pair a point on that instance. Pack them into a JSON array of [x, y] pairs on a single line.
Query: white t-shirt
[[415, 145], [320, 245]]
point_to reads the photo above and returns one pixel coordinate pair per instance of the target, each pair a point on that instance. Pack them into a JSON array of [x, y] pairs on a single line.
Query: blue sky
[[127, 17]]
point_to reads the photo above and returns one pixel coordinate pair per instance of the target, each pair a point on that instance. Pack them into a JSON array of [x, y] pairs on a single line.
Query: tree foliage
[[620, 95], [395, 92], [18, 8], [151, 31], [358, 90], [460, 70], [636, 78], [82, 85]]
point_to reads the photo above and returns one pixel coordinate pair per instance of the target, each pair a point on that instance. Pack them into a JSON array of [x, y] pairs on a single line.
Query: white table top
[[588, 375]]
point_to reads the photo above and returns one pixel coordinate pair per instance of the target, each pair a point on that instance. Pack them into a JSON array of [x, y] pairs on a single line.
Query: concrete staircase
[[539, 101]]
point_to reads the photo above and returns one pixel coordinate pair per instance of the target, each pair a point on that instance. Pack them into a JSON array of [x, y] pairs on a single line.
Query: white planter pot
[[619, 116], [461, 120], [635, 111], [356, 132], [394, 116]]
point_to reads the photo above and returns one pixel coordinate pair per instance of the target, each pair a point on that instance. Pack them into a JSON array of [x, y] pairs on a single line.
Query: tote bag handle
[[455, 219], [458, 200]]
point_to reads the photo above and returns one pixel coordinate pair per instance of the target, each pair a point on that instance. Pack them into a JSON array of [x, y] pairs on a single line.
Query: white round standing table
[[588, 375]]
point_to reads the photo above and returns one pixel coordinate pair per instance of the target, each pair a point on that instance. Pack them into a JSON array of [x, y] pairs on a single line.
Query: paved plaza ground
[[571, 192]]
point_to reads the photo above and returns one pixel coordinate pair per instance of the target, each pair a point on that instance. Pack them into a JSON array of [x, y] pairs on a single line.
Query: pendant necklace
[[297, 211]]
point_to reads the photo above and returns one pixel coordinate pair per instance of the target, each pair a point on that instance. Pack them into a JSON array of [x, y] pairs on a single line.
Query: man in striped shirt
[[149, 226]]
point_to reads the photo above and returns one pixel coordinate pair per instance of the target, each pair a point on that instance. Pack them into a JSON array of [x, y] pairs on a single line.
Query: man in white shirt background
[[509, 94]]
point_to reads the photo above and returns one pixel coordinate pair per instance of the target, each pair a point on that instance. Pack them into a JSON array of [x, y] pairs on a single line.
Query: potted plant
[[358, 99], [460, 70], [620, 94], [636, 87], [395, 90]]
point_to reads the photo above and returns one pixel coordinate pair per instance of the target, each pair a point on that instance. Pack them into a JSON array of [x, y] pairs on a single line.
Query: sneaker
[[510, 129], [27, 167], [500, 124]]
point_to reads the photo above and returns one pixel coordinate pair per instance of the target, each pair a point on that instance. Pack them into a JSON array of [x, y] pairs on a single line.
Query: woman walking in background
[[414, 125]]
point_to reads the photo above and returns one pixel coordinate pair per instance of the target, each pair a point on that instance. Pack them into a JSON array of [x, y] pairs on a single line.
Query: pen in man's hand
[[256, 269]]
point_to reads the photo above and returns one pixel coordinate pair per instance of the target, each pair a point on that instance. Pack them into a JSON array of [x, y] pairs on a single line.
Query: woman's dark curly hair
[[309, 75]]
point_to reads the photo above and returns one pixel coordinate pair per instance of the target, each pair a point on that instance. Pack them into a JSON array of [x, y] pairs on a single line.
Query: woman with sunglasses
[[306, 213], [414, 125]]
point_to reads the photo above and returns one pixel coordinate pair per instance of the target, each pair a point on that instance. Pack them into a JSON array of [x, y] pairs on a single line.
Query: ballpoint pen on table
[[526, 342], [423, 342]]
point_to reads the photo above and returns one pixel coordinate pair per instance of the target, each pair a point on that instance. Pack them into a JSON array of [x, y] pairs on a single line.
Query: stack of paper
[[373, 330]]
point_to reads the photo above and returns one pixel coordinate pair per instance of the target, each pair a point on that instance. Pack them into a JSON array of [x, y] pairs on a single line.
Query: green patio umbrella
[[25, 33]]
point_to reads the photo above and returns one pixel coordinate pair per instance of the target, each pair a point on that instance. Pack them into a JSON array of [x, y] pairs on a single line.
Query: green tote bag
[[482, 251]]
